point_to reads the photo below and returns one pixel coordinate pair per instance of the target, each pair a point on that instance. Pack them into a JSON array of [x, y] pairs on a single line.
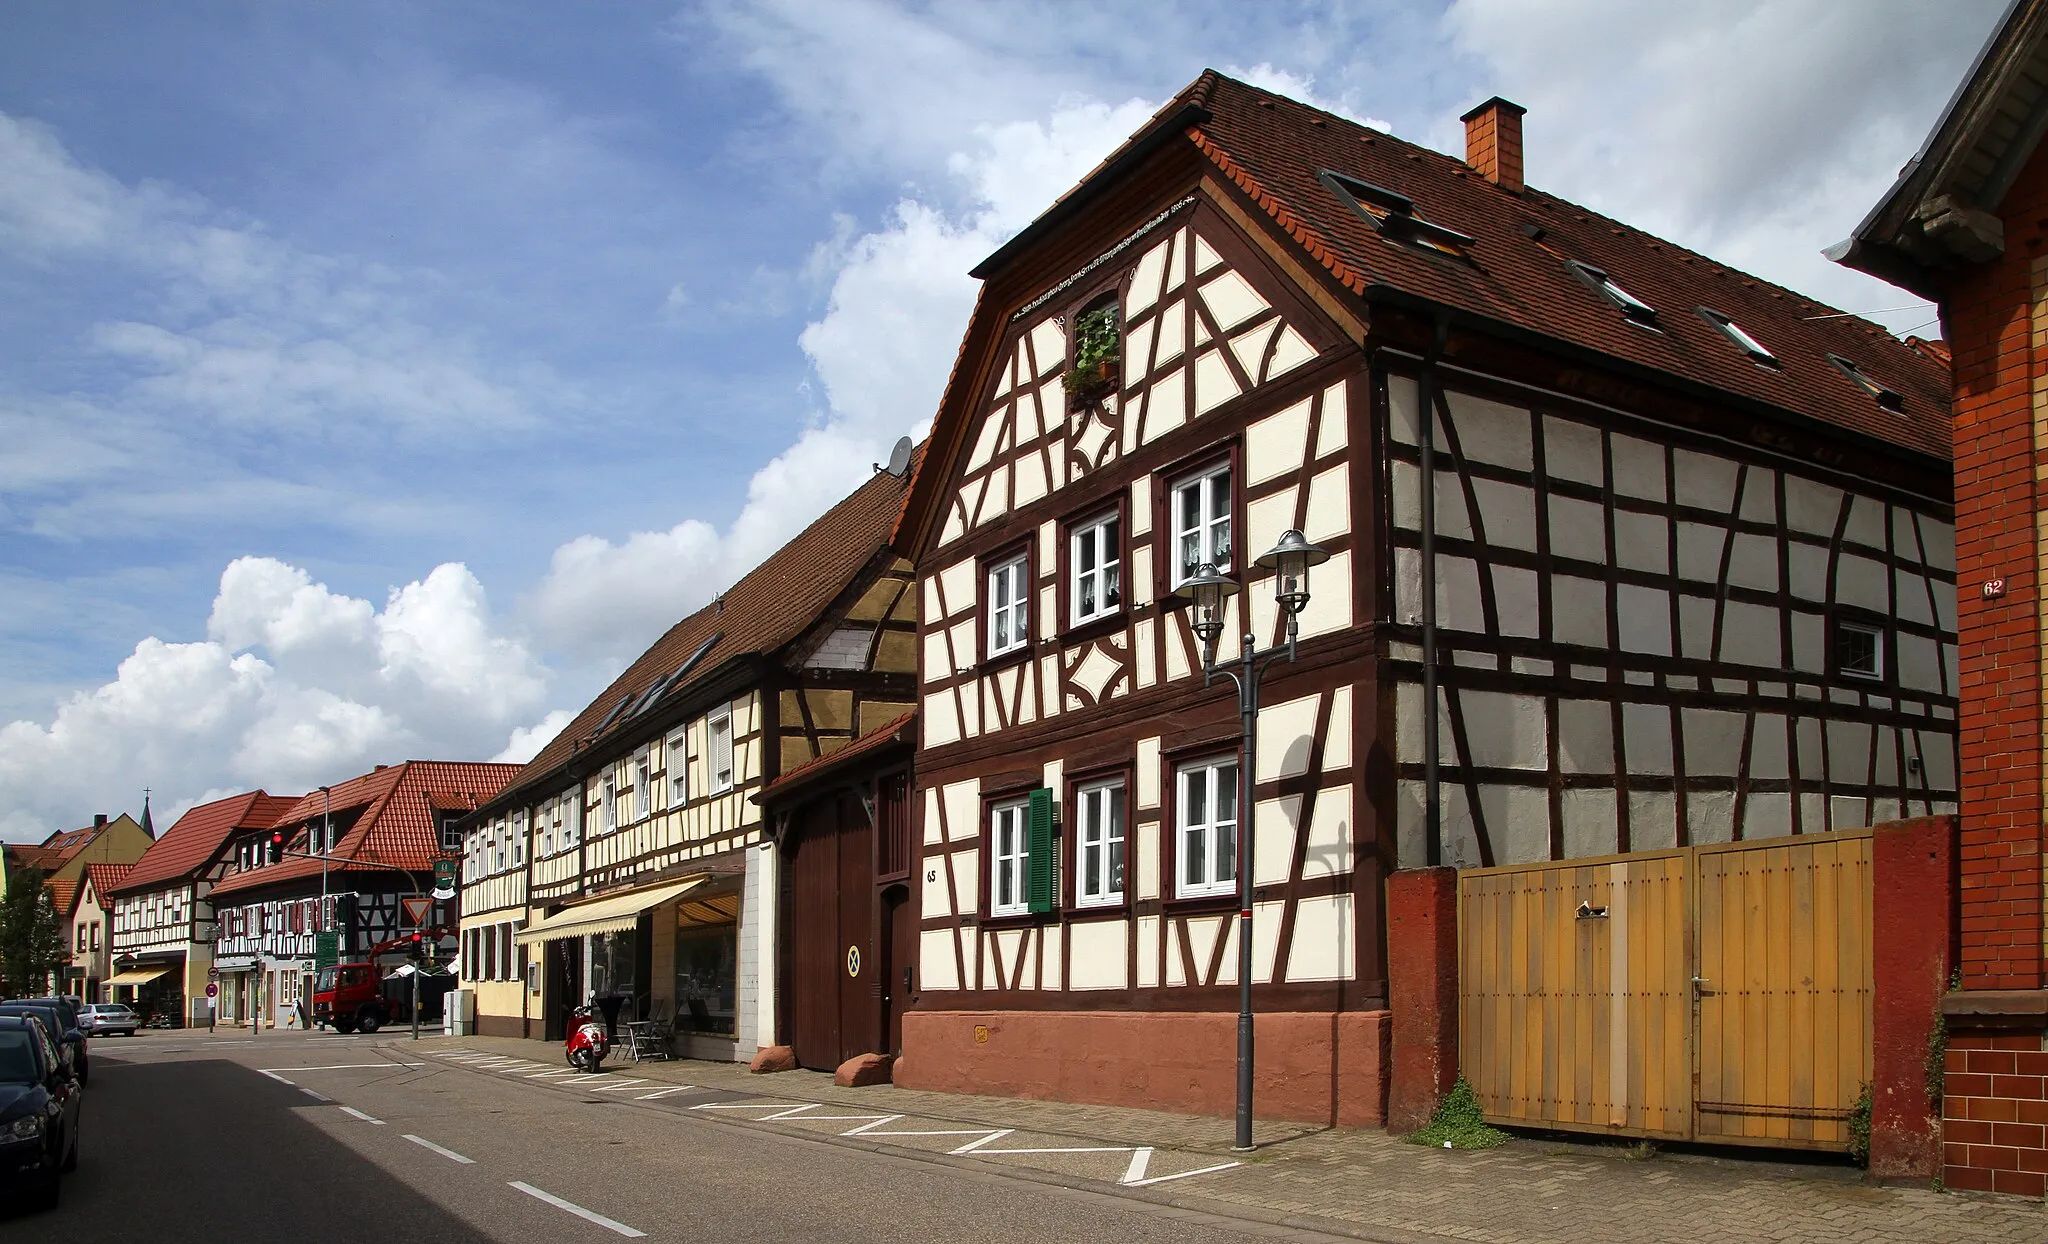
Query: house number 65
[[931, 874]]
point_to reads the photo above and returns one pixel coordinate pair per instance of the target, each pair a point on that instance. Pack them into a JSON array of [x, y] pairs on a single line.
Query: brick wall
[[1995, 1115], [1991, 321]]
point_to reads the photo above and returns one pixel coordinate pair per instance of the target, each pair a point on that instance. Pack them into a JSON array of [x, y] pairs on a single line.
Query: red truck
[[356, 996]]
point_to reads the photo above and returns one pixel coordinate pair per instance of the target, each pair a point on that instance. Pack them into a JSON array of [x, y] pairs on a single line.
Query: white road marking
[[587, 1215], [559, 1071], [342, 1067], [680, 1088], [972, 1145], [1141, 1161], [360, 1115], [273, 1075], [744, 1105], [879, 1121], [982, 1153], [450, 1154], [616, 1086], [316, 1096], [1160, 1179]]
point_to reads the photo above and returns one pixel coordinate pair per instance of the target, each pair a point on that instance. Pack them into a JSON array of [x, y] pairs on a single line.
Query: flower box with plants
[[1098, 347]]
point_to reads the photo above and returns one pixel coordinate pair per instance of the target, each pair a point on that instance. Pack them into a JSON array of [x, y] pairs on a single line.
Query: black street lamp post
[[1208, 590]]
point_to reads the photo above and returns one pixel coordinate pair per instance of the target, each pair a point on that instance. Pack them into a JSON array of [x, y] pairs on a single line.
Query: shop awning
[[605, 915], [137, 976]]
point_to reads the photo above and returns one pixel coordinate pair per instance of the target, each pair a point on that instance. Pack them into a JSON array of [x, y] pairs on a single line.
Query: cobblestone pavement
[[1362, 1183]]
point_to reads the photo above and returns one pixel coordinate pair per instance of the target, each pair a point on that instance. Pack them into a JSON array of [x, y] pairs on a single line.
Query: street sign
[[213, 974], [326, 950], [213, 989], [444, 879], [416, 911]]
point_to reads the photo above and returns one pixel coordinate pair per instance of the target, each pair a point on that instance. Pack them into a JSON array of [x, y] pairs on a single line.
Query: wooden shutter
[[1038, 858]]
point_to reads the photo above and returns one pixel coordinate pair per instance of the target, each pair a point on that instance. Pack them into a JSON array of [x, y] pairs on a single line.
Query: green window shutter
[[1038, 861]]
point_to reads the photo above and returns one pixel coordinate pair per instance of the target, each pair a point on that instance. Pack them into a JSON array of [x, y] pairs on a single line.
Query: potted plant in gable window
[[1098, 347]]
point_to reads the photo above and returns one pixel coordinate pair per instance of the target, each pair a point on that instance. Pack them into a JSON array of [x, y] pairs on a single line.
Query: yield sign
[[416, 911]]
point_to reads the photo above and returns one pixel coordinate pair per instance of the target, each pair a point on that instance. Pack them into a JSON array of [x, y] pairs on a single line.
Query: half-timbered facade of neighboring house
[[342, 860], [88, 929], [1690, 571], [651, 882], [162, 938]]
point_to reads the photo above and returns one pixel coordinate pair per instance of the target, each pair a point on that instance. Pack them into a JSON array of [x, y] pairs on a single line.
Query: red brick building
[[1965, 225]]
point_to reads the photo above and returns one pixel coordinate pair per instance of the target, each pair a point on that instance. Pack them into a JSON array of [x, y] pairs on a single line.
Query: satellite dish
[[899, 458]]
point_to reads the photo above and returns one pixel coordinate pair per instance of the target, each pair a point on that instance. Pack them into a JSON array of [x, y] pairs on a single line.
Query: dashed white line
[[344, 1067], [316, 1096], [360, 1115], [450, 1154], [273, 1075], [587, 1215]]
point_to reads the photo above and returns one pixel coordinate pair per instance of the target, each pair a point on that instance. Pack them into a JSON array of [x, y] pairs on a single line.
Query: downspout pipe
[[1432, 803]]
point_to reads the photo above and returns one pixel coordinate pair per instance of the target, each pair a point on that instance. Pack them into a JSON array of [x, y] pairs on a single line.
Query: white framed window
[[1201, 523], [1009, 851], [572, 817], [719, 728], [1859, 649], [1096, 565], [1205, 846], [519, 838], [608, 804], [675, 756], [1099, 844], [1009, 607], [643, 787], [498, 842]]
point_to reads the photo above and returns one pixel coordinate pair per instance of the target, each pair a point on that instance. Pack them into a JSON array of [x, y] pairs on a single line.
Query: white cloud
[[296, 685], [1758, 131], [526, 741], [1301, 86]]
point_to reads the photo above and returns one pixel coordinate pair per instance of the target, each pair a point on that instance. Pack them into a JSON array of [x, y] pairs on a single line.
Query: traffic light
[[418, 948], [276, 845]]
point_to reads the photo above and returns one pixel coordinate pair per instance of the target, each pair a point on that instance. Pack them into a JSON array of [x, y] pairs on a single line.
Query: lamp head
[[1289, 561], [1207, 589]]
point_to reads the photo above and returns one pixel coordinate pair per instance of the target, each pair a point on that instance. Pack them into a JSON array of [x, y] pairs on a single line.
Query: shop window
[[707, 986]]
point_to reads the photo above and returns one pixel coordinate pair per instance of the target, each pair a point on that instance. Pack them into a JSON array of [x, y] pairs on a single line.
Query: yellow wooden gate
[[1717, 993]]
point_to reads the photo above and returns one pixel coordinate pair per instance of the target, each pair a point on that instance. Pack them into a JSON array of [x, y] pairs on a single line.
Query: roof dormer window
[[1756, 350], [1393, 214], [1634, 309], [1890, 399]]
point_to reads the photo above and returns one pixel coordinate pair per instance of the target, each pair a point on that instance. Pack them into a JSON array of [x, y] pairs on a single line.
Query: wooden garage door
[[1717, 993]]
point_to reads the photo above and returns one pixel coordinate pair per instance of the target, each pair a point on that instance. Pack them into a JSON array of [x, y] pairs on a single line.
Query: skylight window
[[1891, 399], [1393, 214], [1633, 308], [1756, 350]]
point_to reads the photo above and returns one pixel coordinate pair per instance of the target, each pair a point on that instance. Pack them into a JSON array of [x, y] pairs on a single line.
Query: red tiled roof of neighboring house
[[395, 827], [106, 878], [63, 893], [771, 605], [40, 858], [820, 766], [1273, 150], [191, 844]]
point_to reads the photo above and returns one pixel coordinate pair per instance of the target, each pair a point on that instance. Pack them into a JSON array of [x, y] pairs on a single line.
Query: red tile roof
[[106, 878], [40, 858], [1273, 149], [395, 827], [64, 894], [819, 766], [192, 844], [773, 604]]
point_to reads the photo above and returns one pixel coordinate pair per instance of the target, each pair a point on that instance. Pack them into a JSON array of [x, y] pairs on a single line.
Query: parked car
[[39, 1113], [104, 1019], [68, 1008], [68, 1038]]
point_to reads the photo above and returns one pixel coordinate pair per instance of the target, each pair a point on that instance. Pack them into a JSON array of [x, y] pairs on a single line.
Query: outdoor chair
[[650, 1038]]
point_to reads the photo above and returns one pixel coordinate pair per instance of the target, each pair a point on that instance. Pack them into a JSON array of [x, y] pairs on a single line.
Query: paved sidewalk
[[1347, 1181]]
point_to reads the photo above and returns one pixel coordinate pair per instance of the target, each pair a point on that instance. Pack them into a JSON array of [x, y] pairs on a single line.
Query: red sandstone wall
[[1989, 326], [1320, 1067]]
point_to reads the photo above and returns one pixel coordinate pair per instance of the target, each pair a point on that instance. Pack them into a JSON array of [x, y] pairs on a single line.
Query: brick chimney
[[1493, 142], [98, 819]]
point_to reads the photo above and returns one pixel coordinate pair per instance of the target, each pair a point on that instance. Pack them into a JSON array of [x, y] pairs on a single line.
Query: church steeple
[[148, 826]]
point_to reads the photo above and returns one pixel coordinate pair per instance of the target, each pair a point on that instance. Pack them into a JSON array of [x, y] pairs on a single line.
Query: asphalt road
[[308, 1138]]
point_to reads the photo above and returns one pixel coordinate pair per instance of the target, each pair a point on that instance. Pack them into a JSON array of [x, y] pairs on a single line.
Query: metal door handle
[[1699, 985]]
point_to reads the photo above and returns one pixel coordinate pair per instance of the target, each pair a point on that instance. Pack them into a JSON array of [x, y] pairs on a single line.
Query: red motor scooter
[[587, 1045]]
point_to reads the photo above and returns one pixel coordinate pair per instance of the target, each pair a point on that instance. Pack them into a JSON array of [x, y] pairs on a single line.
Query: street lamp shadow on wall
[[1207, 593]]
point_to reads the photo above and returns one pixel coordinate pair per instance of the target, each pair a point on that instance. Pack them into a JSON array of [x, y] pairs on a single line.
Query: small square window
[[1096, 569], [1859, 650], [1009, 606]]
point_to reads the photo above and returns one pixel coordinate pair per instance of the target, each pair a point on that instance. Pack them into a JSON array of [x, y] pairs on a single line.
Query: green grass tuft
[[1459, 1123]]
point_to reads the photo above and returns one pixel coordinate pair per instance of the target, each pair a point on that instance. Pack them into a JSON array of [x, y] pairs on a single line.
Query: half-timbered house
[[163, 929], [1687, 581], [341, 859], [650, 882]]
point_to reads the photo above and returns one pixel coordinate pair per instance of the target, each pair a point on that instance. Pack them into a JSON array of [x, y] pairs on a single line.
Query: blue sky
[[375, 378]]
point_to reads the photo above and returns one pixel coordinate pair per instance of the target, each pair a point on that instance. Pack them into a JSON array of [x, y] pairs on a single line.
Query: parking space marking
[[616, 1085], [273, 1075], [316, 1096], [680, 1088], [972, 1145], [450, 1154], [608, 1224], [360, 1115], [1160, 1179], [342, 1067]]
